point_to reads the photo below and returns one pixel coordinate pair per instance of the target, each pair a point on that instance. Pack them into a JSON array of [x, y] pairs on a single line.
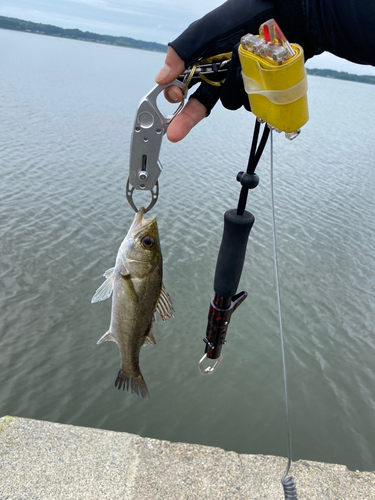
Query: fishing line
[[237, 227], [288, 483]]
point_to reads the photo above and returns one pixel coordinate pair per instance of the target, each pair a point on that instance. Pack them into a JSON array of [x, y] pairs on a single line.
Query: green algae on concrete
[[45, 460]]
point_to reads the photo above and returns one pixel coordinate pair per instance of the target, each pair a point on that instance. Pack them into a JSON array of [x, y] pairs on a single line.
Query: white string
[[280, 317]]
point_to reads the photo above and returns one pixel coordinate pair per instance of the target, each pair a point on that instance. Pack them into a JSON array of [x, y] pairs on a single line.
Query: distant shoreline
[[341, 75], [14, 24]]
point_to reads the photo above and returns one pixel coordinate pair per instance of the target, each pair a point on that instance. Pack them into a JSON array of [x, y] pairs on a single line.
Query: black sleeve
[[343, 27], [221, 29]]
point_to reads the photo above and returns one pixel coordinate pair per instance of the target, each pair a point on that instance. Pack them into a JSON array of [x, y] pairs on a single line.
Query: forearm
[[342, 27], [219, 30]]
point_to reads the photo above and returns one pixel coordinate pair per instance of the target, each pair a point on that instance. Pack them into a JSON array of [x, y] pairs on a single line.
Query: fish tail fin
[[137, 385]]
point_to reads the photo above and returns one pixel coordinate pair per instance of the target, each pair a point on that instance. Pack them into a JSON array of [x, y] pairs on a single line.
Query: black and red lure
[[237, 226]]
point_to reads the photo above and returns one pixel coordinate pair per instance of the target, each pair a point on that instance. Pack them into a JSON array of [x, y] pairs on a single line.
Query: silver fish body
[[138, 291]]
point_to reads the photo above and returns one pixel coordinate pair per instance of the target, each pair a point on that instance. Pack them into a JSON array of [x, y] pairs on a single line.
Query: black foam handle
[[232, 252]]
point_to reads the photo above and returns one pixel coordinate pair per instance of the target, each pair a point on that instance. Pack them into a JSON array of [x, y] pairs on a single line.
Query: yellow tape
[[268, 82]]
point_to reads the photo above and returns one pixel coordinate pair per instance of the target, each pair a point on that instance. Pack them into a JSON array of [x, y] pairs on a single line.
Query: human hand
[[193, 112], [218, 32], [215, 33]]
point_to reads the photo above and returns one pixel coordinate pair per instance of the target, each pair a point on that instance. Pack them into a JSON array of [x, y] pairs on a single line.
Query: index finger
[[172, 68]]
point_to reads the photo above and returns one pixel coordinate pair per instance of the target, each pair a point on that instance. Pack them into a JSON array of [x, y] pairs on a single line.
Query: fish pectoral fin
[[128, 287], [164, 306], [124, 271], [107, 337], [149, 339], [109, 272], [106, 289]]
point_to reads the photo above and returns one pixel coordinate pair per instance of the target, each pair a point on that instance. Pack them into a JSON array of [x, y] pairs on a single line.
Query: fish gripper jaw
[[219, 315]]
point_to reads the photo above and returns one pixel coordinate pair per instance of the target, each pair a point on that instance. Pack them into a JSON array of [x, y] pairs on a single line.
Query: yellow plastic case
[[277, 93]]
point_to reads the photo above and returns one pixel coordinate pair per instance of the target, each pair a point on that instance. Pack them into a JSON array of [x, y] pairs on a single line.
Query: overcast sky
[[152, 20]]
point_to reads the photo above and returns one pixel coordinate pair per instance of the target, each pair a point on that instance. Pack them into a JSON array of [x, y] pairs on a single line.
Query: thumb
[[172, 68]]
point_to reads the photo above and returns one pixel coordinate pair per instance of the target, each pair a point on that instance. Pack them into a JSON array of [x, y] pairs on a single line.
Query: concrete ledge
[[44, 460]]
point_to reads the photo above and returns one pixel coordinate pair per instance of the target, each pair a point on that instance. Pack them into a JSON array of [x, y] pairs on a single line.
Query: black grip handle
[[232, 252]]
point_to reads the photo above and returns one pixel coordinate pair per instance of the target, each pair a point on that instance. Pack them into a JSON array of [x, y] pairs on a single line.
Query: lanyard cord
[[250, 179], [287, 482]]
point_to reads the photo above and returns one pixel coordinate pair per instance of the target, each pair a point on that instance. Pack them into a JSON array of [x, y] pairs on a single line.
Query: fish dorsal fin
[[106, 338], [150, 339], [164, 306], [106, 289]]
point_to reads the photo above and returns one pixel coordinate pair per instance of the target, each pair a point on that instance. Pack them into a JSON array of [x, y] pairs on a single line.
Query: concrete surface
[[44, 460]]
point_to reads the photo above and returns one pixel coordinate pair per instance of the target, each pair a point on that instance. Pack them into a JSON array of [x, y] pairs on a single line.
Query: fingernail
[[173, 95], [163, 73]]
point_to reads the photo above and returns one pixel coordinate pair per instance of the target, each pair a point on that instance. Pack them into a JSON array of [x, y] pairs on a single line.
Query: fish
[[136, 282]]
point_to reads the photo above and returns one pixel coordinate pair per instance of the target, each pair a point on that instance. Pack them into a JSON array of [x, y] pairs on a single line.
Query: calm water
[[67, 109]]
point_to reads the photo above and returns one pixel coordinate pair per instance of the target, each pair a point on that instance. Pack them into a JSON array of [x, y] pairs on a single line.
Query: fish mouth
[[140, 222]]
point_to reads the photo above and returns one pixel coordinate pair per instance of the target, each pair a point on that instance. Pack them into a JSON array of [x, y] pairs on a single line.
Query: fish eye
[[147, 242]]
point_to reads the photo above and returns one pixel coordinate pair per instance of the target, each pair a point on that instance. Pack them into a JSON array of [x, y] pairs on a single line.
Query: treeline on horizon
[[12, 23], [341, 75]]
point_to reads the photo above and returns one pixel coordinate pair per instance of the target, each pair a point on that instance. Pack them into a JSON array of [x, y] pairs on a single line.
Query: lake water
[[67, 109]]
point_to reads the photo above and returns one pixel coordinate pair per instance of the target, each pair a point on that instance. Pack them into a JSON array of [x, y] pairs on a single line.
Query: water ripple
[[63, 164]]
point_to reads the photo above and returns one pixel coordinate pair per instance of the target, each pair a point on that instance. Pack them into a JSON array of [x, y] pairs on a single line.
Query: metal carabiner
[[210, 369], [150, 125], [154, 197]]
